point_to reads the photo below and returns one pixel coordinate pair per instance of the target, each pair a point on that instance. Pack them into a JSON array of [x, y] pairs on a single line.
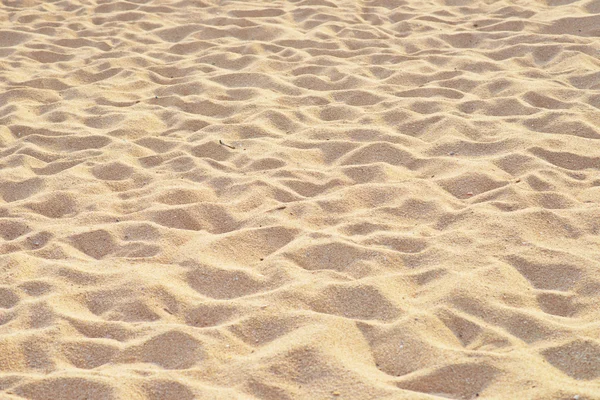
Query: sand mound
[[299, 199]]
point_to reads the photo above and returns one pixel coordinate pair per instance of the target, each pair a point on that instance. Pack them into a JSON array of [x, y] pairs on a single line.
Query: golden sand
[[312, 199]]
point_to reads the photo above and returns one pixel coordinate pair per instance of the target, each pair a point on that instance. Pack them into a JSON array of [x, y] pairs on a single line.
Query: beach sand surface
[[313, 199]]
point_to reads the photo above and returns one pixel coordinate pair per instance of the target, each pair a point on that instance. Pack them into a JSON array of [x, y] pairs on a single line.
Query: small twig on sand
[[225, 144], [277, 208]]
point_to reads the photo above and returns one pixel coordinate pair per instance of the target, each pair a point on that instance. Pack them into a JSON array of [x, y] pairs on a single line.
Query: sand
[[312, 199]]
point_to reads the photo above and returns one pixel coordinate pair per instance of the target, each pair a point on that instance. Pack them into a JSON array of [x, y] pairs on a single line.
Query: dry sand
[[299, 199]]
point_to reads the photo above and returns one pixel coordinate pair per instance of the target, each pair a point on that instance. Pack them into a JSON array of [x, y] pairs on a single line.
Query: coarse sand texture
[[300, 199]]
